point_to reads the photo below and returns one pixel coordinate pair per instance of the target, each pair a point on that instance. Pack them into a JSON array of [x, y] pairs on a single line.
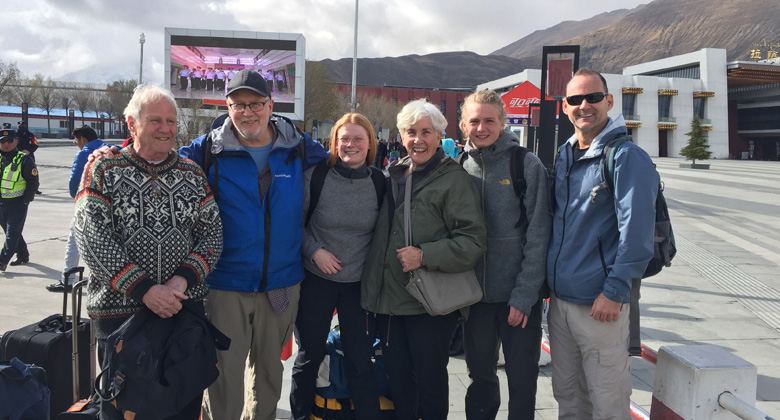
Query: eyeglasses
[[355, 140], [7, 140], [592, 98], [254, 106]]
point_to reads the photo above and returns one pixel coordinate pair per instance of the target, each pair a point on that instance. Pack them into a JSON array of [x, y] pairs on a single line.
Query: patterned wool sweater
[[138, 224]]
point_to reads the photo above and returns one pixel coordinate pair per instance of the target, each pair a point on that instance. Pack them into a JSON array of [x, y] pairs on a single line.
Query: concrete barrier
[[689, 379]]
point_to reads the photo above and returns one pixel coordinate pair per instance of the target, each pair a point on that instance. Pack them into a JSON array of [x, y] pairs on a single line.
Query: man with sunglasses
[[599, 244], [254, 161], [17, 189]]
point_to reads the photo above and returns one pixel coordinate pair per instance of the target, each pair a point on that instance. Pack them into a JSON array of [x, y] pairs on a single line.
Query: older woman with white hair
[[448, 235]]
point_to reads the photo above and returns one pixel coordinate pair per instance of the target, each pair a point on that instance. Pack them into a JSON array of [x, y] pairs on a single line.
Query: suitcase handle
[[67, 275], [76, 309]]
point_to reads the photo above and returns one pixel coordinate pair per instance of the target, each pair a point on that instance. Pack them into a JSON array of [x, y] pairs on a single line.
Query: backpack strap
[[517, 170], [315, 188], [607, 167], [380, 184], [208, 160]]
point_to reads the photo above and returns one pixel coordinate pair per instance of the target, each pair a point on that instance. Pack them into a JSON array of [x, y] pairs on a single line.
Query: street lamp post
[[142, 39], [354, 60]]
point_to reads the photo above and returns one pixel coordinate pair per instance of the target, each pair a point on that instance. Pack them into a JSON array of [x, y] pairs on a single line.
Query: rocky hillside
[[609, 42], [441, 70]]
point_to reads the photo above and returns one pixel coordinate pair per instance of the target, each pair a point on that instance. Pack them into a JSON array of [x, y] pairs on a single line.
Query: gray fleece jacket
[[514, 267]]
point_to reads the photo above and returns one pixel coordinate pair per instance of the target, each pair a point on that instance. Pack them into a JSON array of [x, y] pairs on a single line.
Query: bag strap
[[315, 188], [408, 210]]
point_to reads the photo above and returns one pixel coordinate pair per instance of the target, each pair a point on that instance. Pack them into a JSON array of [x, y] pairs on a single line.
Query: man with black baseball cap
[[17, 189], [254, 161]]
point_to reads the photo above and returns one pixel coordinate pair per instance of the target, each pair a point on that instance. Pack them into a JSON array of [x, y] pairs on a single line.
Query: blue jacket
[[262, 237], [79, 162], [599, 245]]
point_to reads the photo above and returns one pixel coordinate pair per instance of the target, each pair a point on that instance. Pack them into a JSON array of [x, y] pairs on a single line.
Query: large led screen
[[201, 64]]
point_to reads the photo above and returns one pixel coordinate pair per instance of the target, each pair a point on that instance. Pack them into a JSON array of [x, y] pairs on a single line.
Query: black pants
[[183, 82], [319, 297], [416, 352], [12, 218], [487, 327]]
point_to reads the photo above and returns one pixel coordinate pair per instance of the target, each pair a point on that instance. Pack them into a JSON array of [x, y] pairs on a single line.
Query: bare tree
[[48, 96], [23, 92], [321, 103], [82, 100], [381, 111], [99, 103], [8, 75], [194, 120]]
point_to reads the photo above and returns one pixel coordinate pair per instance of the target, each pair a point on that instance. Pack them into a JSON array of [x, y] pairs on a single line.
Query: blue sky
[[97, 40]]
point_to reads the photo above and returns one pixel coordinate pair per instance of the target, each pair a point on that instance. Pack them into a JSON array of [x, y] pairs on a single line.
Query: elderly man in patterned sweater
[[147, 225]]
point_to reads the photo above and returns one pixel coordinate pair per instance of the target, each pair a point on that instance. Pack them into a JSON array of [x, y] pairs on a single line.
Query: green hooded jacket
[[447, 224]]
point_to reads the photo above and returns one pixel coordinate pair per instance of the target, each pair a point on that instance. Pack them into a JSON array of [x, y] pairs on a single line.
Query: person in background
[[448, 234], [28, 144], [17, 191], [86, 140]]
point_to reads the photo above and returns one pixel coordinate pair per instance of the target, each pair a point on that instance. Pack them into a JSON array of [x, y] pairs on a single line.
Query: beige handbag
[[439, 293]]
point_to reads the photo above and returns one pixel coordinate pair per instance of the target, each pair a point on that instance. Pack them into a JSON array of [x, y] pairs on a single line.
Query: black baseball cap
[[248, 79], [8, 133]]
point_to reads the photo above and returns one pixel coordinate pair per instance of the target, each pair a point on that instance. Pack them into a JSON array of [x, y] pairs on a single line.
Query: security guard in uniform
[[17, 189], [28, 143]]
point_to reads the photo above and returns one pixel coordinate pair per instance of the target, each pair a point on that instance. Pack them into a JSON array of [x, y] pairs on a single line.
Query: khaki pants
[[257, 337], [591, 374]]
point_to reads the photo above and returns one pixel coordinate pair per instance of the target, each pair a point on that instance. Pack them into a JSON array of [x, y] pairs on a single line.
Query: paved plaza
[[723, 287]]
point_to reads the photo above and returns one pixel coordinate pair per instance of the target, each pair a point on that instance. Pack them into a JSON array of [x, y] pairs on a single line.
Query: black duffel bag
[[158, 365]]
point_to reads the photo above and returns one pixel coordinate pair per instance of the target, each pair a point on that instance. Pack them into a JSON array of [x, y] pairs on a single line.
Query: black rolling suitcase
[[82, 408], [48, 344]]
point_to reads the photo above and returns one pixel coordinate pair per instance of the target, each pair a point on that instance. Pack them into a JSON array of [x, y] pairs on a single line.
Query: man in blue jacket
[[254, 161], [87, 141], [599, 244]]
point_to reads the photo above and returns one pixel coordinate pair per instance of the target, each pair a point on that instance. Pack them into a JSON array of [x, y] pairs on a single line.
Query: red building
[[448, 100]]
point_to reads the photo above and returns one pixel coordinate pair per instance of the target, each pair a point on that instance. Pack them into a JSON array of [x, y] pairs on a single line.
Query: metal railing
[[740, 408]]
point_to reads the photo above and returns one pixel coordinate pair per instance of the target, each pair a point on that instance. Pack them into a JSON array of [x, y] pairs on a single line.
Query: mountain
[[608, 43], [532, 44], [440, 70], [666, 28]]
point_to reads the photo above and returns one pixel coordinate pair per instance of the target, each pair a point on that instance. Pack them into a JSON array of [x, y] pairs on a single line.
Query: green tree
[[697, 143], [322, 102]]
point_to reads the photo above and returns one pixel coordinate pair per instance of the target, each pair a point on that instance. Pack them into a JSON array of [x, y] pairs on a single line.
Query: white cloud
[[97, 40]]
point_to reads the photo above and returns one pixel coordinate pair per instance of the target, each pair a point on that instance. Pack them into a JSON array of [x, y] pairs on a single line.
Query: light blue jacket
[[599, 245]]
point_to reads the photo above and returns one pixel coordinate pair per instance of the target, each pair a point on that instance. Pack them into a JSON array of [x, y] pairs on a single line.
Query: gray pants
[[591, 374]]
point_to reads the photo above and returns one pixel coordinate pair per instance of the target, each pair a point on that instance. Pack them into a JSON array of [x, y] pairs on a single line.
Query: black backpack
[[664, 248], [158, 365], [516, 170]]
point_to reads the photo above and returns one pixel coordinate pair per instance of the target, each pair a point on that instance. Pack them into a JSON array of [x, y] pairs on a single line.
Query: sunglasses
[[592, 98], [7, 140]]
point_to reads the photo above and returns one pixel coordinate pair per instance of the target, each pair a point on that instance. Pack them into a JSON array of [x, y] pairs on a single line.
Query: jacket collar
[[285, 134], [613, 129], [506, 140]]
